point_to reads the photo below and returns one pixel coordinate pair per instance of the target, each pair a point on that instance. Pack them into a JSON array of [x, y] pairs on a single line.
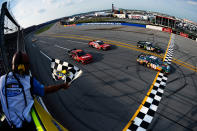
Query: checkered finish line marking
[[145, 113]]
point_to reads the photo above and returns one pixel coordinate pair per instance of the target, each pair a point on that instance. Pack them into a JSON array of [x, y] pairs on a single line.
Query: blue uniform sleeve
[[38, 88]]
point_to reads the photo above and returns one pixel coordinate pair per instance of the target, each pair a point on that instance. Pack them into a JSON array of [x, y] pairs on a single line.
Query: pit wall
[[164, 29]]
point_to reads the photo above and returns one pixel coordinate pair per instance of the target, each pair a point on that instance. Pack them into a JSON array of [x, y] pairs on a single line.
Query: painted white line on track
[[45, 55], [61, 47], [84, 43]]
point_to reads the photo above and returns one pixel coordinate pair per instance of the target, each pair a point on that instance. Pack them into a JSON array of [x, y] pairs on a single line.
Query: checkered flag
[[64, 71]]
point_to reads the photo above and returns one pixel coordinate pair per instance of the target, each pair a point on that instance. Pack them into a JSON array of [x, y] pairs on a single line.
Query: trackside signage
[[130, 24], [183, 34], [154, 27], [113, 23], [167, 30], [69, 25]]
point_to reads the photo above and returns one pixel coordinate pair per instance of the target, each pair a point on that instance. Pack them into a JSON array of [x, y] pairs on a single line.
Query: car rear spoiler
[[71, 50]]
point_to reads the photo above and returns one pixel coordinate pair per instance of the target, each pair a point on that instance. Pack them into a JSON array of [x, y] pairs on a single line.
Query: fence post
[[2, 43]]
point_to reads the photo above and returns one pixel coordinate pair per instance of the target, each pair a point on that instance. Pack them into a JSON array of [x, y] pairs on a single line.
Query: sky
[[33, 12]]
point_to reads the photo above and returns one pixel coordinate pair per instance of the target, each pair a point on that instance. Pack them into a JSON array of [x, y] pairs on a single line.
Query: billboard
[[167, 30], [183, 34]]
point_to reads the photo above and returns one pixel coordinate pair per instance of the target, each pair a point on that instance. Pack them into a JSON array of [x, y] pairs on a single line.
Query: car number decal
[[153, 57]]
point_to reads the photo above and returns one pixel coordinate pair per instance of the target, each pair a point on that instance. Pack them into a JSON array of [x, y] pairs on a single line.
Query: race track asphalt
[[113, 86]]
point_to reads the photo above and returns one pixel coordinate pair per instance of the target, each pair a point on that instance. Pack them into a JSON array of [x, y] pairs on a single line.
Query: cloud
[[49, 2], [192, 2], [30, 12], [41, 11]]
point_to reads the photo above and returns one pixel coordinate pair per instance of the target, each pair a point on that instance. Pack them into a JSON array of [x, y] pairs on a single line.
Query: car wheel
[[162, 71], [82, 62]]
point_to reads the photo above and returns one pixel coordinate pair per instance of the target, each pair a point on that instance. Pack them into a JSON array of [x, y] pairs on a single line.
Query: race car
[[154, 63], [148, 46], [99, 45], [80, 56]]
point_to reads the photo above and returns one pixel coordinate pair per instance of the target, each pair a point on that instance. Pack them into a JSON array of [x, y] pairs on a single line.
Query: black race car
[[148, 46]]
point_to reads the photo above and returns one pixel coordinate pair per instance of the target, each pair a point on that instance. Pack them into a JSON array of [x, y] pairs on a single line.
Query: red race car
[[99, 45], [80, 56]]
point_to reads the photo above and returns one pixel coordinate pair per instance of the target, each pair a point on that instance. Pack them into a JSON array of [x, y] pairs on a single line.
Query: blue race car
[[154, 63]]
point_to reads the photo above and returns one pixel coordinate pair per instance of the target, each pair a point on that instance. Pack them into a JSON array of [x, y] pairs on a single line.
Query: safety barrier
[[112, 23], [184, 35], [164, 29], [137, 25], [169, 30], [100, 23], [154, 27], [69, 25]]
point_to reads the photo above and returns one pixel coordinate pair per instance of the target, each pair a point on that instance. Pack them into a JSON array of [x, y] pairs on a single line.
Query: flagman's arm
[[53, 88]]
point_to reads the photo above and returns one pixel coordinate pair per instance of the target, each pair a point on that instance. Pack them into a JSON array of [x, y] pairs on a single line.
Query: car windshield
[[100, 43], [148, 44], [165, 64], [81, 53], [142, 57], [155, 60], [158, 61]]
